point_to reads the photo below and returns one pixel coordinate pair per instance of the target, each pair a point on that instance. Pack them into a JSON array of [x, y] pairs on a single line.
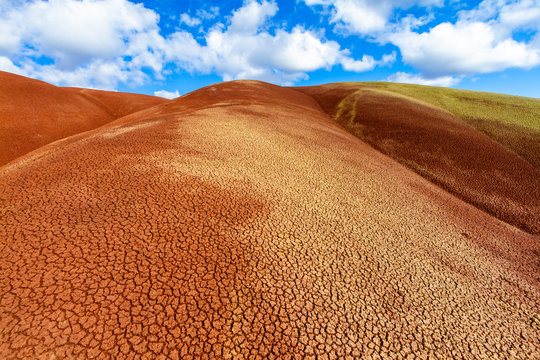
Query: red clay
[[34, 113], [441, 148], [241, 221]]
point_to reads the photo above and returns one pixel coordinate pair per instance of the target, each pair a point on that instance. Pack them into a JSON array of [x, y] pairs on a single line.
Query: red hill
[[34, 113], [241, 221]]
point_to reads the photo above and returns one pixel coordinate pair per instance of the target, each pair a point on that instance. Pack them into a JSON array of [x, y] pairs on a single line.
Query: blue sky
[[169, 48]]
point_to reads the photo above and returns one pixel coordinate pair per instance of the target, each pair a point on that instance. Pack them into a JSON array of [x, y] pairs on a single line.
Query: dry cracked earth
[[242, 222]]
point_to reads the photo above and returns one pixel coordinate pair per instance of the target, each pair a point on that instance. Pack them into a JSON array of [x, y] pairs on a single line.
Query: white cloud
[[367, 63], [246, 49], [516, 14], [101, 43], [209, 14], [167, 94], [250, 17], [299, 50], [521, 15], [362, 17], [402, 77], [283, 57], [98, 74], [201, 15], [74, 31], [367, 17], [388, 59], [481, 41], [90, 43], [189, 21], [7, 65], [10, 37]]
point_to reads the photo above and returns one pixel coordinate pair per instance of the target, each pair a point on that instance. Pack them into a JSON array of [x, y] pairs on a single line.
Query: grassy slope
[[512, 121]]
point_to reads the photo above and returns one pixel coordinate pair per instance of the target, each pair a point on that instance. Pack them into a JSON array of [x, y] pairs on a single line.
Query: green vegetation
[[513, 121], [514, 110]]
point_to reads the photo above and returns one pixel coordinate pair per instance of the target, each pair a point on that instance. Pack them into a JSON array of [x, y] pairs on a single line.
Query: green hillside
[[513, 121]]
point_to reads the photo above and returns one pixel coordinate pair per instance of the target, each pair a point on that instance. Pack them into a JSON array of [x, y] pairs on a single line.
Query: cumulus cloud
[[7, 65], [284, 56], [101, 43], [189, 21], [367, 17], [74, 31], [480, 41], [463, 49], [367, 63], [245, 48], [249, 18], [402, 77], [167, 94], [91, 43], [507, 15], [237, 54]]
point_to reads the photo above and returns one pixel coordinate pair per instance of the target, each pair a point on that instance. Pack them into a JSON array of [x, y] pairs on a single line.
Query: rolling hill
[[248, 220], [435, 135], [34, 113]]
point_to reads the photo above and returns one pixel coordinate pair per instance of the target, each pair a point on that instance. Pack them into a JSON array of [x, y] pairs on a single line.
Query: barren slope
[[227, 227], [441, 147], [34, 113]]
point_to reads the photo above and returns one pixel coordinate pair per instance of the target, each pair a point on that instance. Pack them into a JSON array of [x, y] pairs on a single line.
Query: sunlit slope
[[513, 121], [442, 147], [34, 113], [242, 221]]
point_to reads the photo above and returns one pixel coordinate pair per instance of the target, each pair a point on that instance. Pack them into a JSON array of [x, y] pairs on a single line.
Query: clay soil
[[243, 221], [440, 147], [34, 113]]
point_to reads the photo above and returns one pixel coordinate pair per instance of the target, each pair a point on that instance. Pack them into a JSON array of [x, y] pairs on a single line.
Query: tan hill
[[442, 147], [241, 221], [34, 113]]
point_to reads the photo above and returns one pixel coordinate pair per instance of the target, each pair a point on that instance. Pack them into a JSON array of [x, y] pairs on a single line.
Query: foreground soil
[[241, 221], [34, 113]]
